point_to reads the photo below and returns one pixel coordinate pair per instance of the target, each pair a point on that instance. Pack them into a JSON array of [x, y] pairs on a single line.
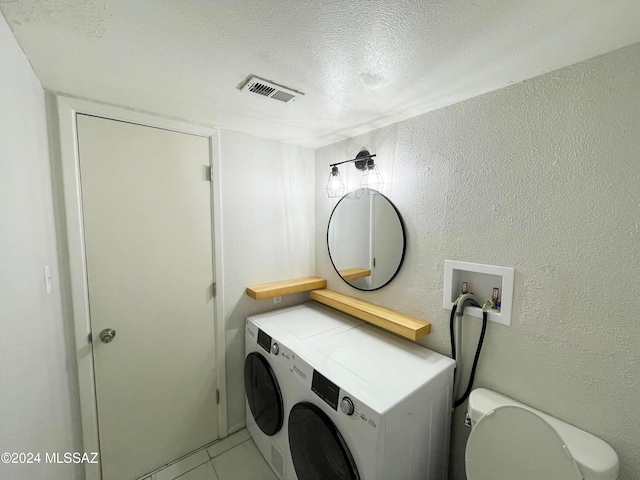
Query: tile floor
[[233, 458]]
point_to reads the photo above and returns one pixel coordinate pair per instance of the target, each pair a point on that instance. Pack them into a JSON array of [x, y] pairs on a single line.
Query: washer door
[[263, 394], [318, 450]]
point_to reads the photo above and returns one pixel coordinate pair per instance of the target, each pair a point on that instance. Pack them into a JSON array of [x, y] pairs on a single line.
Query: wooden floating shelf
[[400, 324], [287, 287], [353, 273]]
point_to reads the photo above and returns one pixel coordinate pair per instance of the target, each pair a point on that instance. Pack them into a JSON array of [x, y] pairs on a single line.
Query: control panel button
[[346, 406]]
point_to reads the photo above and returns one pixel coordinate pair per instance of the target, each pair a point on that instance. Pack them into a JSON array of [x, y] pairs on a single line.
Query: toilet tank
[[595, 459]]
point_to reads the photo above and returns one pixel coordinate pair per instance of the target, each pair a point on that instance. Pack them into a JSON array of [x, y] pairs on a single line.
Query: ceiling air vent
[[258, 86]]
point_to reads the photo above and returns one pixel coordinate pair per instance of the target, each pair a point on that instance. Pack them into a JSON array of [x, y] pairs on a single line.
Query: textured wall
[[268, 235], [37, 407], [542, 176]]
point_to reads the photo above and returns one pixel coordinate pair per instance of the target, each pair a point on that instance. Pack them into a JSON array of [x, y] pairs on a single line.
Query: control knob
[[275, 348], [346, 405]]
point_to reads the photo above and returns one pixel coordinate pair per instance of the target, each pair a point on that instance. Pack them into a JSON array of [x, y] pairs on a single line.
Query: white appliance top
[[304, 323], [377, 367]]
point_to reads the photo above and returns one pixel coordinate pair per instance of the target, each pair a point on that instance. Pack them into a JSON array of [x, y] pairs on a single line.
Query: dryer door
[[263, 394], [318, 450]]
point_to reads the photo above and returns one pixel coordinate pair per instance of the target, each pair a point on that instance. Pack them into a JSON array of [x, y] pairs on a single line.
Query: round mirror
[[366, 239]]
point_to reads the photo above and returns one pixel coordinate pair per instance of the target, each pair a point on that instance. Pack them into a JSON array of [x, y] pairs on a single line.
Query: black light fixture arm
[[361, 160]]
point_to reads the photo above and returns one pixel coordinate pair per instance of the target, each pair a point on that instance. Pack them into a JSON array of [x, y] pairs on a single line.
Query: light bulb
[[371, 178], [335, 186]]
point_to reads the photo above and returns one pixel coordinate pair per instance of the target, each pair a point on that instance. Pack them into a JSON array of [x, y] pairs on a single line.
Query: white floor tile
[[243, 462], [182, 466], [228, 443], [203, 472]]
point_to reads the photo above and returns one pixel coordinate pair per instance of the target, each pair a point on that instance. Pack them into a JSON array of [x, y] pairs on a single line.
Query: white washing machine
[[267, 370], [368, 405]]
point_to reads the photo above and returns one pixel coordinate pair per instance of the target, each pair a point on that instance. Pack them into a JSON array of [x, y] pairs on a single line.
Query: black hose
[[464, 397], [451, 334]]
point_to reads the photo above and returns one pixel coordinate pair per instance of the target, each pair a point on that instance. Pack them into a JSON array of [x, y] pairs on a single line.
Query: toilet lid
[[512, 442]]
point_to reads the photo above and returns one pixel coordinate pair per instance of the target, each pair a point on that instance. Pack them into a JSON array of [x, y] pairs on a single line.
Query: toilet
[[511, 441]]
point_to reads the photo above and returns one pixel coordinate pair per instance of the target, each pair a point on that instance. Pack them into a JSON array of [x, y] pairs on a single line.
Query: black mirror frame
[[404, 244]]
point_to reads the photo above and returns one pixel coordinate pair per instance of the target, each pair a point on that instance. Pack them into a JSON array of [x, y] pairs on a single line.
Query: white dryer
[[368, 405], [267, 370]]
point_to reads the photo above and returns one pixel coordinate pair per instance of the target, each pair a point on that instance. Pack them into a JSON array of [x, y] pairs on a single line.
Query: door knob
[[107, 335]]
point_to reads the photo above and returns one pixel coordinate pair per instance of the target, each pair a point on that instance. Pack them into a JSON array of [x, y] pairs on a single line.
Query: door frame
[[63, 114]]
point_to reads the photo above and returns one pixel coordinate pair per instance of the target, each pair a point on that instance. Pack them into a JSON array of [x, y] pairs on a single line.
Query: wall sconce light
[[335, 185], [371, 178]]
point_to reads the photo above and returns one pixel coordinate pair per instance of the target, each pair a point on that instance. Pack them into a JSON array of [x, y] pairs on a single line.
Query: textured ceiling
[[362, 64]]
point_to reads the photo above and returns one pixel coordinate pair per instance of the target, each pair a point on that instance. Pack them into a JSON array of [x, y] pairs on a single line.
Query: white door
[[148, 235]]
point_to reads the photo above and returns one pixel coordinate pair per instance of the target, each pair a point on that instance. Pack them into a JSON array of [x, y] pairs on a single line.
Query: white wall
[[268, 235], [542, 176], [38, 399]]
